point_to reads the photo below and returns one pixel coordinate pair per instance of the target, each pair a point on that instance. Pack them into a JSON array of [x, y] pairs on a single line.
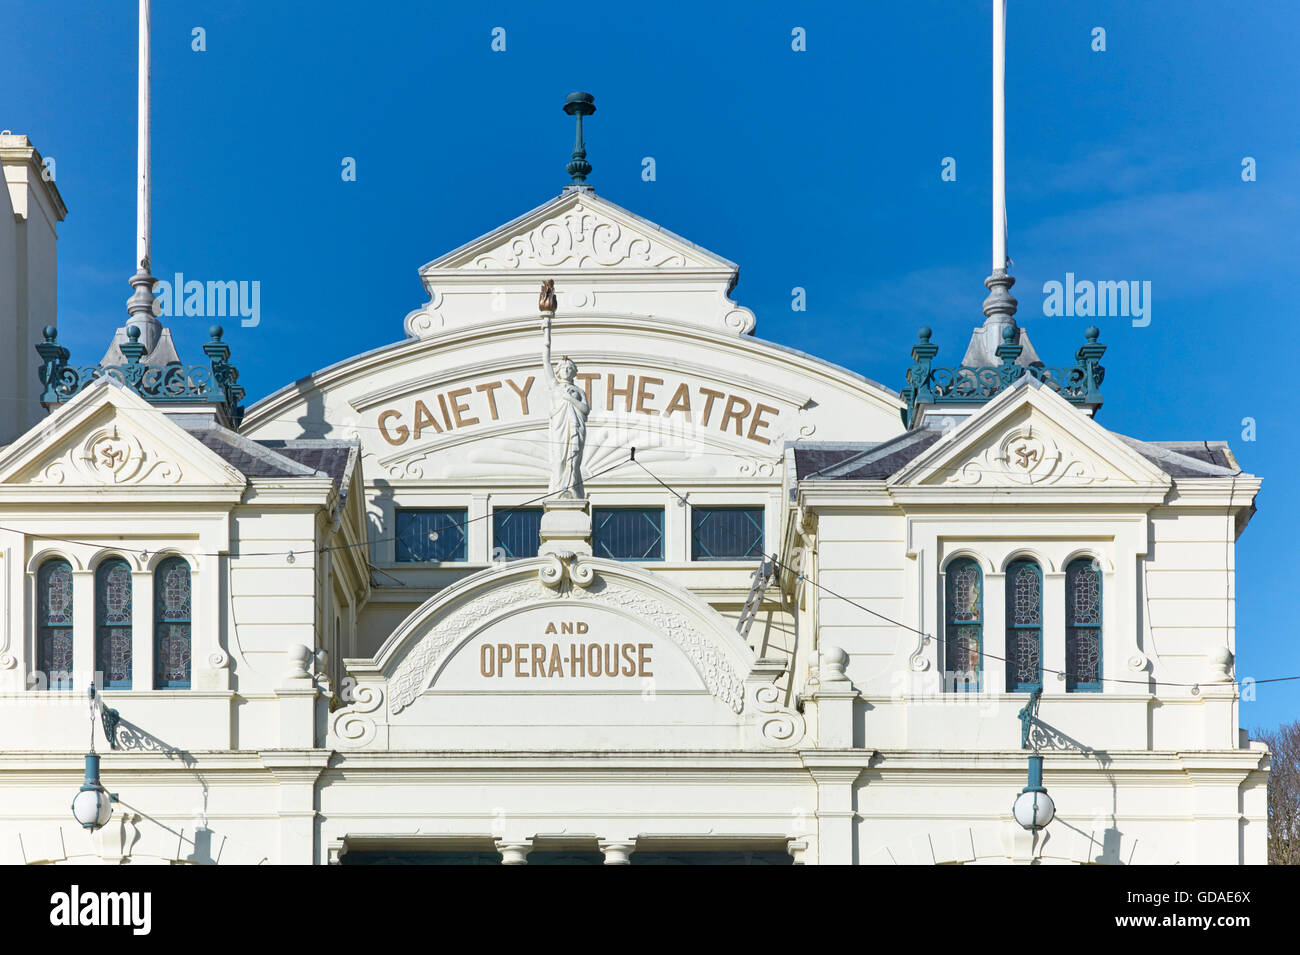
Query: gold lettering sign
[[549, 660], [685, 400]]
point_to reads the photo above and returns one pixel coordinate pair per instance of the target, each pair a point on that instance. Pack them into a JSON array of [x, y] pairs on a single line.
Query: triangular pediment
[[604, 260], [108, 436], [577, 231], [1030, 438]]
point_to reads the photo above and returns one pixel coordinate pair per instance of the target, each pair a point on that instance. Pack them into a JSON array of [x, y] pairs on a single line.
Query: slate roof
[[865, 461], [1187, 459], [827, 461], [323, 455], [307, 458]]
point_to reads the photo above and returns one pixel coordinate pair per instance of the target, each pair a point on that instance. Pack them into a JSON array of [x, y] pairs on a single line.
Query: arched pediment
[[562, 652], [503, 601], [469, 404]]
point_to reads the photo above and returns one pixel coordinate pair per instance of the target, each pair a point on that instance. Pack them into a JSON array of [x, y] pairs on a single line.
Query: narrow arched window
[[964, 633], [54, 624], [171, 625], [1024, 626], [113, 624], [1083, 626]]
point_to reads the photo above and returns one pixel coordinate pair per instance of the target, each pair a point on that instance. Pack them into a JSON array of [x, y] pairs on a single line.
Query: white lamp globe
[[92, 808], [1034, 809]]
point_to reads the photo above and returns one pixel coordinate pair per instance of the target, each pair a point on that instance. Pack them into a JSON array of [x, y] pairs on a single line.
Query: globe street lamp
[[1033, 808], [93, 805]]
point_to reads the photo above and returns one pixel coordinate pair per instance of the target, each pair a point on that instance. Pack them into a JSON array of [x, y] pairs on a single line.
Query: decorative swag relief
[[1026, 456], [578, 238], [110, 455]]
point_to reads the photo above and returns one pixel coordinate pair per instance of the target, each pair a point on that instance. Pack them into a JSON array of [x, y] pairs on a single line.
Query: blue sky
[[819, 169]]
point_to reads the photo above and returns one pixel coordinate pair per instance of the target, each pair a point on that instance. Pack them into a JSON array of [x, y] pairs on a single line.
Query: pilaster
[[296, 773]]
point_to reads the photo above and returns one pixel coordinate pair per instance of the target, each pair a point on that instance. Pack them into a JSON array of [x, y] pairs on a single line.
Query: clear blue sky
[[818, 169]]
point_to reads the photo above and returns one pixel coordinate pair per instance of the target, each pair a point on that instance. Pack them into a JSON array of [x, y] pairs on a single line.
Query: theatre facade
[[794, 616]]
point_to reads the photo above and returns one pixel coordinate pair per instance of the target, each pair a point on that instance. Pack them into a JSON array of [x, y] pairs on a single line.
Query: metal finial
[[579, 105]]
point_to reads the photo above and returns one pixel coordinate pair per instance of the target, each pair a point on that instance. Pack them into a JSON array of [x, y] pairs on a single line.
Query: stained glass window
[[430, 534], [1083, 626], [965, 626], [516, 532], [113, 624], [171, 625], [628, 533], [54, 624], [1024, 626], [726, 533]]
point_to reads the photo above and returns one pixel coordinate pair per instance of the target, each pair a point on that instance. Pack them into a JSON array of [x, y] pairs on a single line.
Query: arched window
[[1024, 626], [54, 624], [963, 636], [113, 623], [1082, 626], [171, 625]]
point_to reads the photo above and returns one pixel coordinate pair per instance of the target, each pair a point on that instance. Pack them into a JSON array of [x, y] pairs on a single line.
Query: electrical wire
[[983, 653], [631, 459], [332, 547]]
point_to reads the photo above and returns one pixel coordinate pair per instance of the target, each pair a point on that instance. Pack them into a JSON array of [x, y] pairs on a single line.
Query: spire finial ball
[[923, 333], [1092, 332], [1009, 334], [215, 332], [133, 333]]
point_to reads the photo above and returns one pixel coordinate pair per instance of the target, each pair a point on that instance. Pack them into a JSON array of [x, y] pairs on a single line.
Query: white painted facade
[[826, 735], [30, 212]]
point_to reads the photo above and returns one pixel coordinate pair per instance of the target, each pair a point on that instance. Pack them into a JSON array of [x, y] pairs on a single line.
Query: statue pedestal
[[566, 526]]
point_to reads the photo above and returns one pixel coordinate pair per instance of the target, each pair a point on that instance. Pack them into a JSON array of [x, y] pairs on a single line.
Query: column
[[209, 661], [835, 699], [1216, 813], [478, 532], [836, 815], [514, 853], [993, 678], [83, 631], [296, 774], [617, 852], [1053, 632], [297, 696], [142, 645]]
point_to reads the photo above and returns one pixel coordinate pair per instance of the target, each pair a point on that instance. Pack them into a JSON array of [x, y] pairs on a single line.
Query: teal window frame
[[502, 535], [952, 620], [601, 518], [107, 632], [447, 520], [164, 624], [1072, 683], [756, 517], [1014, 629], [48, 630]]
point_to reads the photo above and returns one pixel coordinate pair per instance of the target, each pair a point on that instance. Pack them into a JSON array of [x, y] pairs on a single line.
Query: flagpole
[[1000, 305], [140, 306], [142, 146], [999, 136]]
